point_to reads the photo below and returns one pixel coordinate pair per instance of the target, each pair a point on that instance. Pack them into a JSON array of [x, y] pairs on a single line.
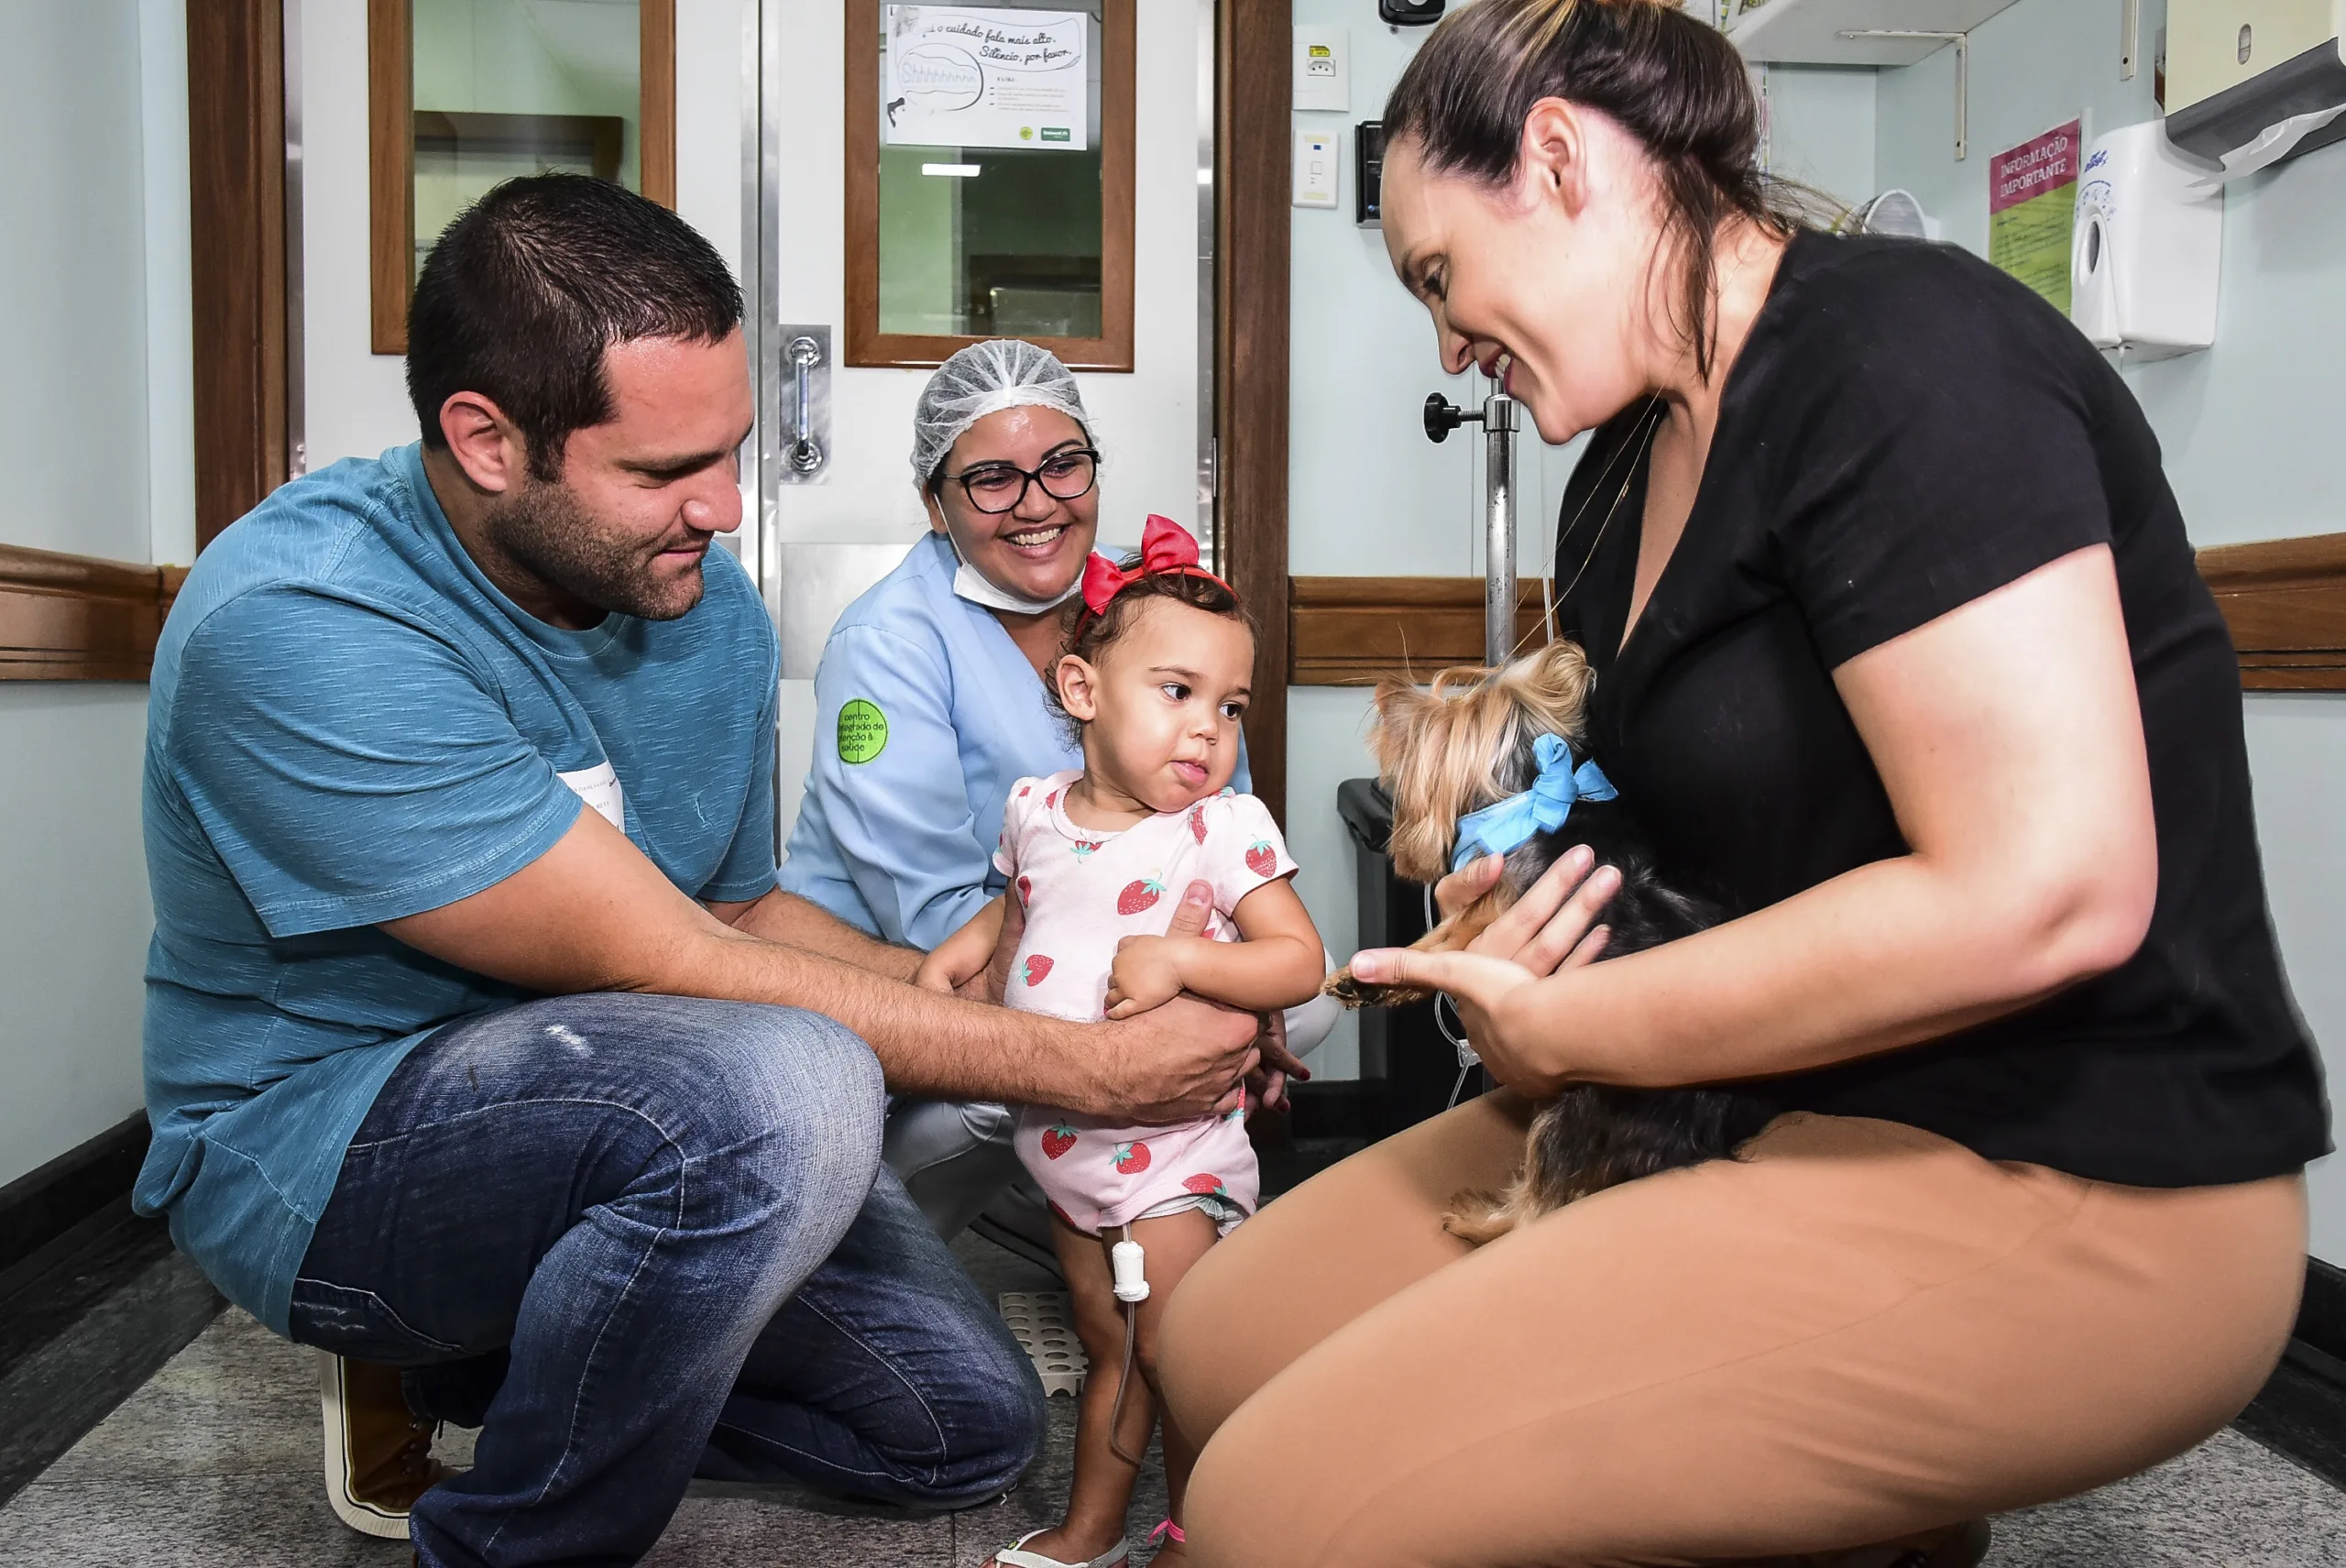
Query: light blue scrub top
[[900, 843]]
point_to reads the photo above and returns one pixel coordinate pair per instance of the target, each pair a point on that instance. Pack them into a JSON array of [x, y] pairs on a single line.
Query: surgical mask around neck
[[974, 586]]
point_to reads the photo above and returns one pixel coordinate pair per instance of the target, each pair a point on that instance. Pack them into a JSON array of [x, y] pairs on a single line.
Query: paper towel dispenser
[[2147, 252], [2251, 82]]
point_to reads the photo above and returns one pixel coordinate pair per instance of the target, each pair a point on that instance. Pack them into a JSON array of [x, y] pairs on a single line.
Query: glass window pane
[[508, 87], [990, 170]]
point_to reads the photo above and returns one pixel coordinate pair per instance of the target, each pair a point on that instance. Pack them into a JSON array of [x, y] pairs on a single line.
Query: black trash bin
[[1402, 1049]]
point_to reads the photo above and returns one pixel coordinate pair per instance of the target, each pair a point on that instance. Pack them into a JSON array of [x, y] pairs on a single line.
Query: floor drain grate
[[1040, 1322]]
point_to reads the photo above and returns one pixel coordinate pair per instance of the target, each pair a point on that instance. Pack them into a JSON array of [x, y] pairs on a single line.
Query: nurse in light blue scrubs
[[930, 700], [930, 706]]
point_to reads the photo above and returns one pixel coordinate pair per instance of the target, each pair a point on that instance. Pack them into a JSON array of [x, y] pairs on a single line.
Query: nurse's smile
[[1038, 543]]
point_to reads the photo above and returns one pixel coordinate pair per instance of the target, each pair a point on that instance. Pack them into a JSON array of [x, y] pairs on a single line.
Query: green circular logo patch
[[863, 731]]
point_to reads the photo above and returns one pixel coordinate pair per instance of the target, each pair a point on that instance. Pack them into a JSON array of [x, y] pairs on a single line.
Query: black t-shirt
[[1905, 430]]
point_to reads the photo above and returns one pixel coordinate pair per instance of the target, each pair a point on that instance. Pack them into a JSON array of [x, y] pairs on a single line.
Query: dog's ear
[[1395, 714], [1409, 740]]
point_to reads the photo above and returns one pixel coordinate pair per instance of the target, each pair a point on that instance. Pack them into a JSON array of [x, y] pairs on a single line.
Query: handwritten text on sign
[[964, 77]]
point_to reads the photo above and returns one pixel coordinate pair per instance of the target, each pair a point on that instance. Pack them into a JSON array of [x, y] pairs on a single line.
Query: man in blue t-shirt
[[479, 1041]]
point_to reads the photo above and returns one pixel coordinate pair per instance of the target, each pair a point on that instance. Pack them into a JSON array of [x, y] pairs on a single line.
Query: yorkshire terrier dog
[[1473, 742]]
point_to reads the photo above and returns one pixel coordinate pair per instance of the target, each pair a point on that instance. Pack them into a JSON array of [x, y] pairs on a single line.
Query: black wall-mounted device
[[1411, 13], [1368, 173]]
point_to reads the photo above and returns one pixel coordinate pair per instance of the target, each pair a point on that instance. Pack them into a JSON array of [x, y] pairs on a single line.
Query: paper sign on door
[[961, 76]]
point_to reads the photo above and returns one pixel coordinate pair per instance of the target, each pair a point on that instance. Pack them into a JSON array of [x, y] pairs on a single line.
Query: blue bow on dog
[[1495, 829]]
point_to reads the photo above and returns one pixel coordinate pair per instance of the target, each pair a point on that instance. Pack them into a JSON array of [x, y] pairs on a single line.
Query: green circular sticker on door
[[863, 731]]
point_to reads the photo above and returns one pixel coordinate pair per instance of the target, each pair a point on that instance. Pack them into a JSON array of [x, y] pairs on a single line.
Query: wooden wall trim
[[78, 617], [235, 77], [1351, 631], [1255, 40], [2284, 600]]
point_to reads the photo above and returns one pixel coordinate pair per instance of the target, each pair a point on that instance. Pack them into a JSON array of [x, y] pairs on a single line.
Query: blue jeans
[[640, 1238]]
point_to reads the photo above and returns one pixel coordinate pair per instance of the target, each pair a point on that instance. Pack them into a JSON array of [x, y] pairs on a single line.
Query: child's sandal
[[1011, 1556]]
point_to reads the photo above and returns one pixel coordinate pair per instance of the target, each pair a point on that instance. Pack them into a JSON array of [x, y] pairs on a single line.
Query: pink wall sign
[[2036, 167], [2031, 207]]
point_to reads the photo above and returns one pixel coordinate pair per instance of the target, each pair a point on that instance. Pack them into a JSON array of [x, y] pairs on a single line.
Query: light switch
[[1323, 75], [1315, 169]]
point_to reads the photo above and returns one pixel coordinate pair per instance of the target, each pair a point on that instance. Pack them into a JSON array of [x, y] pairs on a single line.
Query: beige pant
[[1857, 1331]]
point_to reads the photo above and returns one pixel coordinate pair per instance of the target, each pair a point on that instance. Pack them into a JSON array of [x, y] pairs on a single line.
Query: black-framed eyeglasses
[[998, 488]]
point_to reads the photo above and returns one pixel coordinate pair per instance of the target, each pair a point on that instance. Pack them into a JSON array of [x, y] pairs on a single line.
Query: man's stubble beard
[[543, 529]]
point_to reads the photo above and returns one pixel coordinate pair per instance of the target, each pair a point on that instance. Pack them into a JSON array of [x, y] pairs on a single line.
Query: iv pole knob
[[1443, 416]]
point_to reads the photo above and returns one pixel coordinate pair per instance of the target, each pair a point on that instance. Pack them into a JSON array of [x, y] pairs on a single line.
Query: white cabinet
[[2253, 82], [2212, 44]]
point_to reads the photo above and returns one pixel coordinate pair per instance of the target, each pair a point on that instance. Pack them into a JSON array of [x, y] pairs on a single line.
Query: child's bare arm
[[964, 953], [1280, 965]]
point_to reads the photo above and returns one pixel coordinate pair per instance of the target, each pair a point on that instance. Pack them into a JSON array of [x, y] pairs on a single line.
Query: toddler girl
[[1156, 677]]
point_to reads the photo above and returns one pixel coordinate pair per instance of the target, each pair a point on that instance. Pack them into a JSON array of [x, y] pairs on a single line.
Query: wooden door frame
[[1253, 133], [236, 78]]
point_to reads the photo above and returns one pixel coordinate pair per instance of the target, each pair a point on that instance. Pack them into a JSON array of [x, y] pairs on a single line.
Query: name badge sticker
[[598, 786], [863, 730]]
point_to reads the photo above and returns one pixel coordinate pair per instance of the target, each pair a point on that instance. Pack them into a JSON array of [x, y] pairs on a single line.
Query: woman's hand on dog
[[1552, 926], [1467, 884]]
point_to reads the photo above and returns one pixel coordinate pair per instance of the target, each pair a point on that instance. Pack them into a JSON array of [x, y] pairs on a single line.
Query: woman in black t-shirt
[[1902, 657]]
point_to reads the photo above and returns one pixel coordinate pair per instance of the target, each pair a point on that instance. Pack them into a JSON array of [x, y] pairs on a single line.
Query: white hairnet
[[983, 379]]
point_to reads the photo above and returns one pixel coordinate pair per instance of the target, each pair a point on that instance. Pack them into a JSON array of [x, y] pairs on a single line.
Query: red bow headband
[[1165, 548]]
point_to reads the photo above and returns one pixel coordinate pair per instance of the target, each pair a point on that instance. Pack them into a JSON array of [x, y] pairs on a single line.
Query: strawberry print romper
[[1084, 891]]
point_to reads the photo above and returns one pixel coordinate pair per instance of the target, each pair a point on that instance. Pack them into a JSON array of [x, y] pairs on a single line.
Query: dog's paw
[[1355, 991]]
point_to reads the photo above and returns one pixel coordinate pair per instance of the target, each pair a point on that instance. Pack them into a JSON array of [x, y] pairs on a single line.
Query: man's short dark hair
[[524, 291]]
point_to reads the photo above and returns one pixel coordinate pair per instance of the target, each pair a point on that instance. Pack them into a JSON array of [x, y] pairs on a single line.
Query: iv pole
[[1500, 417]]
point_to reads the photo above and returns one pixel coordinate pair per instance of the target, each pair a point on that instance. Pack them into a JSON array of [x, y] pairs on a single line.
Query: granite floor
[[214, 1460]]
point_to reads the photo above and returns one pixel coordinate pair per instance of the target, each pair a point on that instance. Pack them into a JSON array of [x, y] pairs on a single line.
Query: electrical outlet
[[1323, 77]]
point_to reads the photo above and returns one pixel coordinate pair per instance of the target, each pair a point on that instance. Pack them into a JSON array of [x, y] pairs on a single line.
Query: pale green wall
[[96, 267], [2250, 427], [74, 918], [72, 344], [1821, 124]]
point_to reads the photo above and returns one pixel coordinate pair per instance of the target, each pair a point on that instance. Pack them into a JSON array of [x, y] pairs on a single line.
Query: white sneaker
[[377, 1454]]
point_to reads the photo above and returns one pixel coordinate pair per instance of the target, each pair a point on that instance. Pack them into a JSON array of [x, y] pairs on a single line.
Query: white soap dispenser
[[2148, 249]]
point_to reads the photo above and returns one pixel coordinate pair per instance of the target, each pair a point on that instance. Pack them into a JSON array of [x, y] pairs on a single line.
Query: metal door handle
[[804, 453]]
